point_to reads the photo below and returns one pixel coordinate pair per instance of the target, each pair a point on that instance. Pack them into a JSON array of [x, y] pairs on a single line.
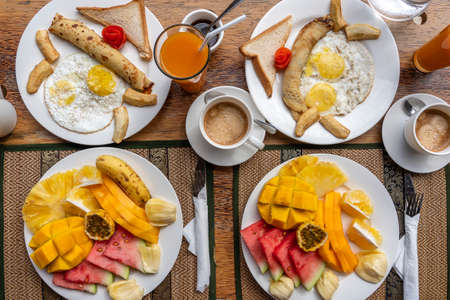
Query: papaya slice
[[333, 223], [117, 192], [332, 232], [326, 252], [117, 213], [343, 242]]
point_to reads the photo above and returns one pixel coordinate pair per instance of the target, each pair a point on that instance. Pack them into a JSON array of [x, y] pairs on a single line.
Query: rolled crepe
[[86, 39]]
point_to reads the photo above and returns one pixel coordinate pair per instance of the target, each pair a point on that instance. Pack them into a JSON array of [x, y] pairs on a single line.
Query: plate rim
[[334, 141], [66, 134], [323, 157], [178, 222]]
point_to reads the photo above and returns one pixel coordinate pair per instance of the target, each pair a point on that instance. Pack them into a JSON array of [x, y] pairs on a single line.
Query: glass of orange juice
[[435, 54], [177, 55]]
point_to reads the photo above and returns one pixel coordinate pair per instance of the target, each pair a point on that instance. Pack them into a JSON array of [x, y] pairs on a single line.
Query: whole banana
[[125, 177]]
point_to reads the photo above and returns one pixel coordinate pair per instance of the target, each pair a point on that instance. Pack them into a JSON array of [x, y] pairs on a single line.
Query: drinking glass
[[399, 10], [193, 83], [435, 54]]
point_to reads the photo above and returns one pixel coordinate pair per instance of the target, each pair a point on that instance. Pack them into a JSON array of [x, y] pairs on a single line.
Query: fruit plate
[[160, 187], [385, 56], [384, 218], [28, 55]]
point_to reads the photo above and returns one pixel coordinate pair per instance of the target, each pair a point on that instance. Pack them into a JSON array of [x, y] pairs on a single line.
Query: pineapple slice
[[87, 175], [46, 200], [324, 176], [357, 204], [295, 166], [363, 235], [83, 199]]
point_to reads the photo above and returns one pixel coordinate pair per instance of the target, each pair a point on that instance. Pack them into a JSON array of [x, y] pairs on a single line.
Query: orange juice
[[180, 57], [435, 54]]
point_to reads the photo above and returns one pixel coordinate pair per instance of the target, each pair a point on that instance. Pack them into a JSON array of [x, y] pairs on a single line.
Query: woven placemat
[[23, 166], [432, 235]]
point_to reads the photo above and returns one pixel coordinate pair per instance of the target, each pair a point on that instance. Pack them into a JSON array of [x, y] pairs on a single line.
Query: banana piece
[[160, 213], [120, 124], [40, 72], [356, 32], [305, 120], [282, 289], [336, 15], [334, 126], [136, 98], [125, 177], [327, 284], [125, 290]]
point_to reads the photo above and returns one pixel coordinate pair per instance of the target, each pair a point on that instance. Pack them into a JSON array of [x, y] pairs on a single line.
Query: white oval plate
[[364, 116], [160, 187], [384, 218], [28, 55]]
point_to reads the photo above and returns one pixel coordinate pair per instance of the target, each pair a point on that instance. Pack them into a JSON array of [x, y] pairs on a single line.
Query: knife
[[408, 187], [199, 177]]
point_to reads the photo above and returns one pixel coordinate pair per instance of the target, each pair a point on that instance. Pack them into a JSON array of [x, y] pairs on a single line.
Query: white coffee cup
[[410, 129], [246, 139]]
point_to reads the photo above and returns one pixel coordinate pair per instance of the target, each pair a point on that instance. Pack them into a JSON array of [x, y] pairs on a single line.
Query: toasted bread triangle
[[130, 16], [262, 49]]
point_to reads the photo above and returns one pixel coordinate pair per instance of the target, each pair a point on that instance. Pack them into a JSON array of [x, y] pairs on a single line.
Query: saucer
[[395, 143], [219, 157]]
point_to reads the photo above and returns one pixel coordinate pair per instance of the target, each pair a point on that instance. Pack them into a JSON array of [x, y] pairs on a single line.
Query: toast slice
[[130, 16], [261, 49]]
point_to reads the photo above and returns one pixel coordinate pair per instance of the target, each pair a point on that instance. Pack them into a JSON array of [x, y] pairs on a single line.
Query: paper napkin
[[196, 234], [407, 263]]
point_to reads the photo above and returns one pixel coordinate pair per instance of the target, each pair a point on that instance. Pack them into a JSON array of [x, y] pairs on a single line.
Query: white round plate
[[28, 55], [396, 145], [364, 116], [384, 218], [160, 187], [219, 157]]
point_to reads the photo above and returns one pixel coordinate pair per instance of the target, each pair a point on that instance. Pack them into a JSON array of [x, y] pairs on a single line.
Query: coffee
[[433, 130], [226, 123]]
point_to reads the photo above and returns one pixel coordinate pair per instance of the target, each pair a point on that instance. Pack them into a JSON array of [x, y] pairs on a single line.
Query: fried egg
[[81, 94], [338, 75]]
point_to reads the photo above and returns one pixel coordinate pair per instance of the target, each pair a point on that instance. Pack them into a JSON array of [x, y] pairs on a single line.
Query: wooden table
[[226, 68]]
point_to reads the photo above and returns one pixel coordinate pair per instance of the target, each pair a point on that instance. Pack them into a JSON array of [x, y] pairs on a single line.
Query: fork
[[413, 204]]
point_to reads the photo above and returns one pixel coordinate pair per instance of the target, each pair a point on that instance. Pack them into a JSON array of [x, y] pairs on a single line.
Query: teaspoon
[[412, 105]]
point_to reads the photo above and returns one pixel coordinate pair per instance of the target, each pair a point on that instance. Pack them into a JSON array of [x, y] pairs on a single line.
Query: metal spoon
[[412, 105], [269, 128], [233, 4]]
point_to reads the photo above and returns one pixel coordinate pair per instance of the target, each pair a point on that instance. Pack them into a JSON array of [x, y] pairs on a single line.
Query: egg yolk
[[322, 96], [67, 100], [61, 89], [101, 80], [329, 64]]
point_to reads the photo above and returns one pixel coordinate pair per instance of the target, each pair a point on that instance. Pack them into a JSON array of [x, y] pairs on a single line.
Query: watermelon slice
[[58, 279], [269, 242], [97, 258], [89, 273], [308, 265], [124, 248], [281, 254], [250, 235]]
